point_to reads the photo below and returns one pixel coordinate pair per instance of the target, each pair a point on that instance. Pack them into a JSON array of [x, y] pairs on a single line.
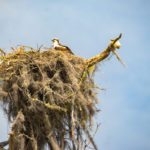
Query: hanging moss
[[43, 89]]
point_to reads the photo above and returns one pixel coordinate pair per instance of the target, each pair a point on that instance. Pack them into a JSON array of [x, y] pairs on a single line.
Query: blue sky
[[86, 26]]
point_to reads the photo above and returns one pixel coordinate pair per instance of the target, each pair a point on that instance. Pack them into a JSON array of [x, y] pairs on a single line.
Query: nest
[[46, 97]]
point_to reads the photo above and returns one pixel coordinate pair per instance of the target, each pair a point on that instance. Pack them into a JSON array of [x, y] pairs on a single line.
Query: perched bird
[[57, 46]]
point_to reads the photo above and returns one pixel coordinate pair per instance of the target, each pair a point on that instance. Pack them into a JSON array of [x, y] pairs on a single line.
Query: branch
[[11, 140], [53, 143], [3, 144], [112, 47], [90, 139], [97, 127], [73, 122]]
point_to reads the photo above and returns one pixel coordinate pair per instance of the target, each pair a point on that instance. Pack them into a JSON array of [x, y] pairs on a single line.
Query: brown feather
[[64, 48]]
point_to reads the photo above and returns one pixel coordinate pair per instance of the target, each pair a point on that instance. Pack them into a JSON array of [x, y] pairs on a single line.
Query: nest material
[[47, 99]]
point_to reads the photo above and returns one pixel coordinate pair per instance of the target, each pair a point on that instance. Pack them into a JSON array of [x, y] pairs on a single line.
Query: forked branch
[[112, 47]]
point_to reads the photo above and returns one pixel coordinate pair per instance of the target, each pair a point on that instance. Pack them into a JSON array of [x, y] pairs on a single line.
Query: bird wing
[[64, 48]]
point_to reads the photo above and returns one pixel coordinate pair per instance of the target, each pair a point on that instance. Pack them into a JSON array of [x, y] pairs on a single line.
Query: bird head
[[55, 40]]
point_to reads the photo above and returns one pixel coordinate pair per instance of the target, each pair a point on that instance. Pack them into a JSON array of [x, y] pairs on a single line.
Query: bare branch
[[112, 47], [3, 144]]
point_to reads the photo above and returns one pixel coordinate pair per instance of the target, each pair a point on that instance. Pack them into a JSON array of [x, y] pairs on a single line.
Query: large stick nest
[[47, 99]]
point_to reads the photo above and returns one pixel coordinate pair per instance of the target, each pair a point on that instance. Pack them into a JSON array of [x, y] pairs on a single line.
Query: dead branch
[[3, 144], [11, 140], [97, 127], [112, 47], [53, 143]]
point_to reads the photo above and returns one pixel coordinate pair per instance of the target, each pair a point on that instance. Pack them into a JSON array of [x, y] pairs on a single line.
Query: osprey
[[57, 46]]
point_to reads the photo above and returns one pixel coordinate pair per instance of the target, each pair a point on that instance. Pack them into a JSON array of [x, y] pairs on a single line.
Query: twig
[[119, 59], [91, 139], [73, 122], [11, 140], [52, 141], [26, 46], [2, 52], [93, 135], [13, 48], [3, 144]]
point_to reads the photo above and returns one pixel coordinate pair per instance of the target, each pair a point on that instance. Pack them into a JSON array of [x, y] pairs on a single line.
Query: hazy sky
[[87, 26]]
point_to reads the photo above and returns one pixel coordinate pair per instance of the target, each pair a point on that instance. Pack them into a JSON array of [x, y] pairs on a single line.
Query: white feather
[[55, 44]]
